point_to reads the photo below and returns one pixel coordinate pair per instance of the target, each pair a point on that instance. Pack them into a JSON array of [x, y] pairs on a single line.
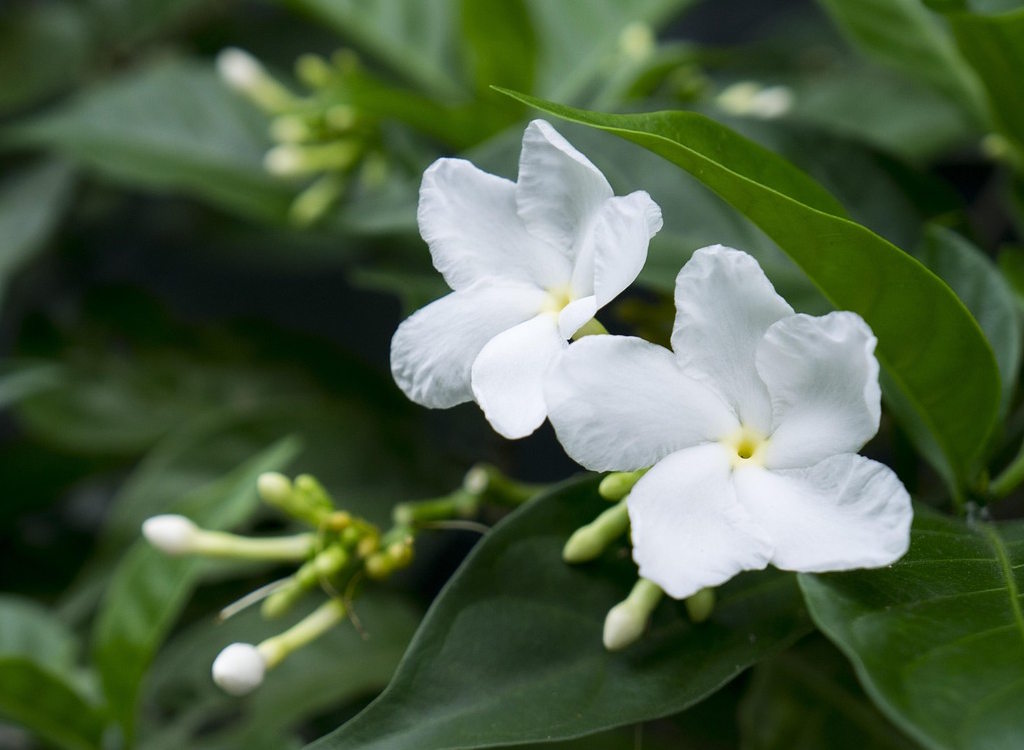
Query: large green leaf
[[994, 46], [937, 638], [807, 698], [511, 649], [906, 36], [149, 589], [171, 126], [925, 333], [37, 663], [500, 44]]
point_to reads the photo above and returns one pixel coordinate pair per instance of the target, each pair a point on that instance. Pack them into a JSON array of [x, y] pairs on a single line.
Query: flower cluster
[[748, 428]]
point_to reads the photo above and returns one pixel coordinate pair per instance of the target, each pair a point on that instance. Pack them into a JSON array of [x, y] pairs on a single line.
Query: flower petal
[[433, 350], [508, 375], [468, 218], [688, 530], [724, 305], [614, 248], [621, 403], [558, 188], [842, 513], [575, 314], [822, 376]]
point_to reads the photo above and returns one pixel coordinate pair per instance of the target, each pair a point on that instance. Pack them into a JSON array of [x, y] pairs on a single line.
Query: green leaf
[[978, 283], [173, 127], [925, 333], [32, 202], [37, 658], [994, 46], [500, 47], [511, 649], [807, 698], [938, 638], [1011, 264], [149, 589], [904, 35]]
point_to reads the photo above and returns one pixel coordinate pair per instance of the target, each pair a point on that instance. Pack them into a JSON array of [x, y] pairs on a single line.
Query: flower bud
[[239, 668], [591, 540], [627, 620], [700, 606], [618, 484], [240, 70], [274, 488], [171, 534]]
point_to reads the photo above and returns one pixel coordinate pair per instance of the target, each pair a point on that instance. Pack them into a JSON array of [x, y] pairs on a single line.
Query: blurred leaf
[[127, 22], [937, 639], [904, 35], [415, 40], [32, 202], [977, 282], [1011, 263], [149, 589], [37, 658], [43, 51], [994, 46], [925, 333], [500, 46], [511, 649], [172, 126], [579, 44], [807, 698]]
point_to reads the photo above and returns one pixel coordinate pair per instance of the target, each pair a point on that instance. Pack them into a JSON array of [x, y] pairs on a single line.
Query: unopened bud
[[591, 540], [700, 606], [274, 488], [240, 70], [239, 668], [618, 484], [171, 534], [628, 619], [313, 71], [637, 41]]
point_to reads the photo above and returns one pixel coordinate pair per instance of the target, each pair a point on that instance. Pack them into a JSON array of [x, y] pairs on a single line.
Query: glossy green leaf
[[37, 664], [149, 589], [994, 46], [511, 649], [807, 698], [938, 638], [905, 35], [977, 281], [925, 333], [171, 127], [32, 202]]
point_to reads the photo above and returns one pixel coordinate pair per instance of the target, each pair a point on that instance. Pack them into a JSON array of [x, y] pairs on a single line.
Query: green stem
[[281, 549], [1009, 478], [319, 621]]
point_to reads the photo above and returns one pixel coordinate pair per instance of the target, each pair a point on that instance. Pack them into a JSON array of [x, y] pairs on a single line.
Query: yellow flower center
[[557, 298], [748, 447]]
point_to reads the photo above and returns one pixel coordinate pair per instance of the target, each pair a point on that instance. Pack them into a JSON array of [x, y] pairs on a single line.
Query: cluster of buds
[[341, 549], [321, 137], [626, 622]]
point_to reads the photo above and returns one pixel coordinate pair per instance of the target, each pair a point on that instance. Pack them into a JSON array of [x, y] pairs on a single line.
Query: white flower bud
[[285, 160], [172, 534], [239, 668], [622, 626], [771, 102], [240, 70]]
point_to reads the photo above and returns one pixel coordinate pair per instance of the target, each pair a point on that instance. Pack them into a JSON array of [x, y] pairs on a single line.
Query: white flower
[[239, 668], [530, 262], [171, 534], [751, 425]]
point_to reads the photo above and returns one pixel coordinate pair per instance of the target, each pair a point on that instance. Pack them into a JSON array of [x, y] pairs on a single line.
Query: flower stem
[[319, 621], [1009, 478], [284, 549]]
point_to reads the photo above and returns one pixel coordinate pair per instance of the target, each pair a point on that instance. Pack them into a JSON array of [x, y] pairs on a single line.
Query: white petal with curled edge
[[558, 188], [614, 248], [688, 530], [575, 314], [845, 512], [433, 350], [822, 377], [508, 375], [468, 218], [724, 306], [619, 403]]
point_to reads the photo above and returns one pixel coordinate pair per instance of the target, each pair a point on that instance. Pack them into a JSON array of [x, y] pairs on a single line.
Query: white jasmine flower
[[751, 425], [530, 262], [171, 534], [239, 668]]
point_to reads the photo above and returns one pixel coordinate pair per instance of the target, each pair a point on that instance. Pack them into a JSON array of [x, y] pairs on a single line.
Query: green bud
[[700, 606], [313, 71], [589, 541], [315, 201], [618, 484]]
